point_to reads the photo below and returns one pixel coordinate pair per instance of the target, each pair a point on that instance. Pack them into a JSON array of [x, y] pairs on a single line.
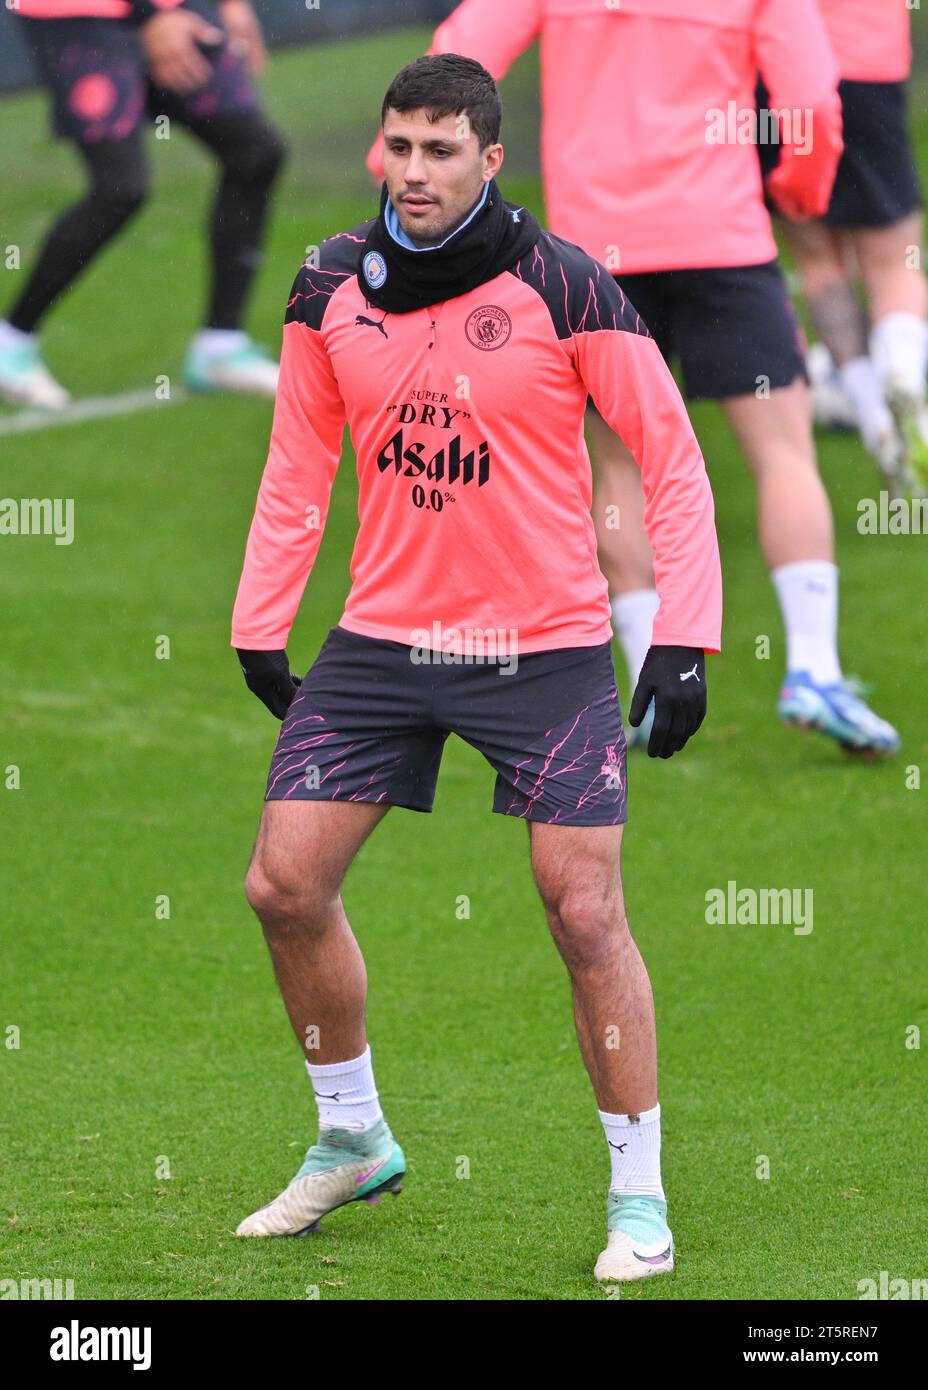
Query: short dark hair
[[447, 84]]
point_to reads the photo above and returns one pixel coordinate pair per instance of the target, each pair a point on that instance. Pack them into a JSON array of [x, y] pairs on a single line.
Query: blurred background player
[[106, 63], [644, 166], [872, 229]]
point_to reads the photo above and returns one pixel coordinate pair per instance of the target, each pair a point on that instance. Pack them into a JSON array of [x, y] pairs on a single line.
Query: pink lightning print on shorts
[[367, 724], [588, 779]]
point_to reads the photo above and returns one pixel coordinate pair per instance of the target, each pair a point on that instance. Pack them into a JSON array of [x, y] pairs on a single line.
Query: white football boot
[[343, 1166], [245, 370], [639, 1243], [25, 379]]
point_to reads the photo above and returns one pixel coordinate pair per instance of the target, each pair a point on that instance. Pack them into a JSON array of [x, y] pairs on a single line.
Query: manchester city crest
[[375, 269]]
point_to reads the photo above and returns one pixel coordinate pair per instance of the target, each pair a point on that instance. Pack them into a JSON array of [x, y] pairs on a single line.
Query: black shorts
[[95, 71], [877, 181], [369, 723], [733, 328]]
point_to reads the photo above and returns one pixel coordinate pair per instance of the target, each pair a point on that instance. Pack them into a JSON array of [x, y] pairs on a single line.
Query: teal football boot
[[640, 1242], [246, 370], [341, 1167]]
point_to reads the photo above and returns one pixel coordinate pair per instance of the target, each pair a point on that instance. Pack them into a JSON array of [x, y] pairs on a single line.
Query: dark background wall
[[285, 22]]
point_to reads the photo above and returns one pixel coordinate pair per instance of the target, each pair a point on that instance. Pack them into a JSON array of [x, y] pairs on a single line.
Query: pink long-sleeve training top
[[474, 481], [92, 9], [872, 38], [646, 111]]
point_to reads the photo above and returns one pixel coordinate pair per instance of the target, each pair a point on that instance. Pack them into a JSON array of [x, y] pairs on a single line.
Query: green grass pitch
[[147, 1042]]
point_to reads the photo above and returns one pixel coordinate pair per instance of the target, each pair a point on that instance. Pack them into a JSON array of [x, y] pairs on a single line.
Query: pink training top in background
[[632, 96], [90, 9], [872, 38]]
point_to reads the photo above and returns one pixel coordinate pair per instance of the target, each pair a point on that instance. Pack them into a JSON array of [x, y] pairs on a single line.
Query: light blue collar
[[400, 237]]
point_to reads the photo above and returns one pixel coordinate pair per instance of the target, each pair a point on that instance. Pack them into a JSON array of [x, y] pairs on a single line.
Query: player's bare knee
[[584, 922], [280, 902], [259, 890]]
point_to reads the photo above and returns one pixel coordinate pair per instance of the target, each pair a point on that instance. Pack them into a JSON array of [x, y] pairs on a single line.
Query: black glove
[[267, 675], [675, 678]]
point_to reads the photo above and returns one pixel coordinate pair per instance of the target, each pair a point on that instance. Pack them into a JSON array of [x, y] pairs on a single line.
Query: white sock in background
[[345, 1093], [633, 618], [635, 1151], [861, 385], [217, 342], [11, 337], [899, 348], [808, 594]]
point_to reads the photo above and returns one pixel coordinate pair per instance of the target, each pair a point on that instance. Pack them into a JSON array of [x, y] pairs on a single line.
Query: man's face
[[435, 172]]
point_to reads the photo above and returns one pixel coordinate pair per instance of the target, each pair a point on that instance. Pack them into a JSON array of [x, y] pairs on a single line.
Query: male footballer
[[460, 342]]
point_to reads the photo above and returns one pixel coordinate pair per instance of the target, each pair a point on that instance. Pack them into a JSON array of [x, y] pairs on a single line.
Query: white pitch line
[[90, 408]]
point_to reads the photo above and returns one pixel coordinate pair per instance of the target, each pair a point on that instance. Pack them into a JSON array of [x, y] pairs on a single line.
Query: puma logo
[[685, 675], [371, 323]]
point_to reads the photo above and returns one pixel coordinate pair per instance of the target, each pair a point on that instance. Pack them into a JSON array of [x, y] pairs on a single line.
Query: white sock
[[808, 594], [217, 342], [14, 337], [899, 348], [635, 1152], [862, 386], [345, 1093], [633, 617]]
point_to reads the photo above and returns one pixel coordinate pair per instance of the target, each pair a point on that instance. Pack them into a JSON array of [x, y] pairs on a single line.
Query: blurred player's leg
[[625, 556], [796, 535], [890, 264], [877, 198], [875, 209], [118, 186], [840, 320], [117, 189], [250, 152], [831, 406], [303, 851], [93, 71], [794, 514], [577, 871], [226, 117]]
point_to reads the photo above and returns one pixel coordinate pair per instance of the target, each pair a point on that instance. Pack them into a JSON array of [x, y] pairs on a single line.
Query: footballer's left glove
[[675, 679], [267, 675]]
